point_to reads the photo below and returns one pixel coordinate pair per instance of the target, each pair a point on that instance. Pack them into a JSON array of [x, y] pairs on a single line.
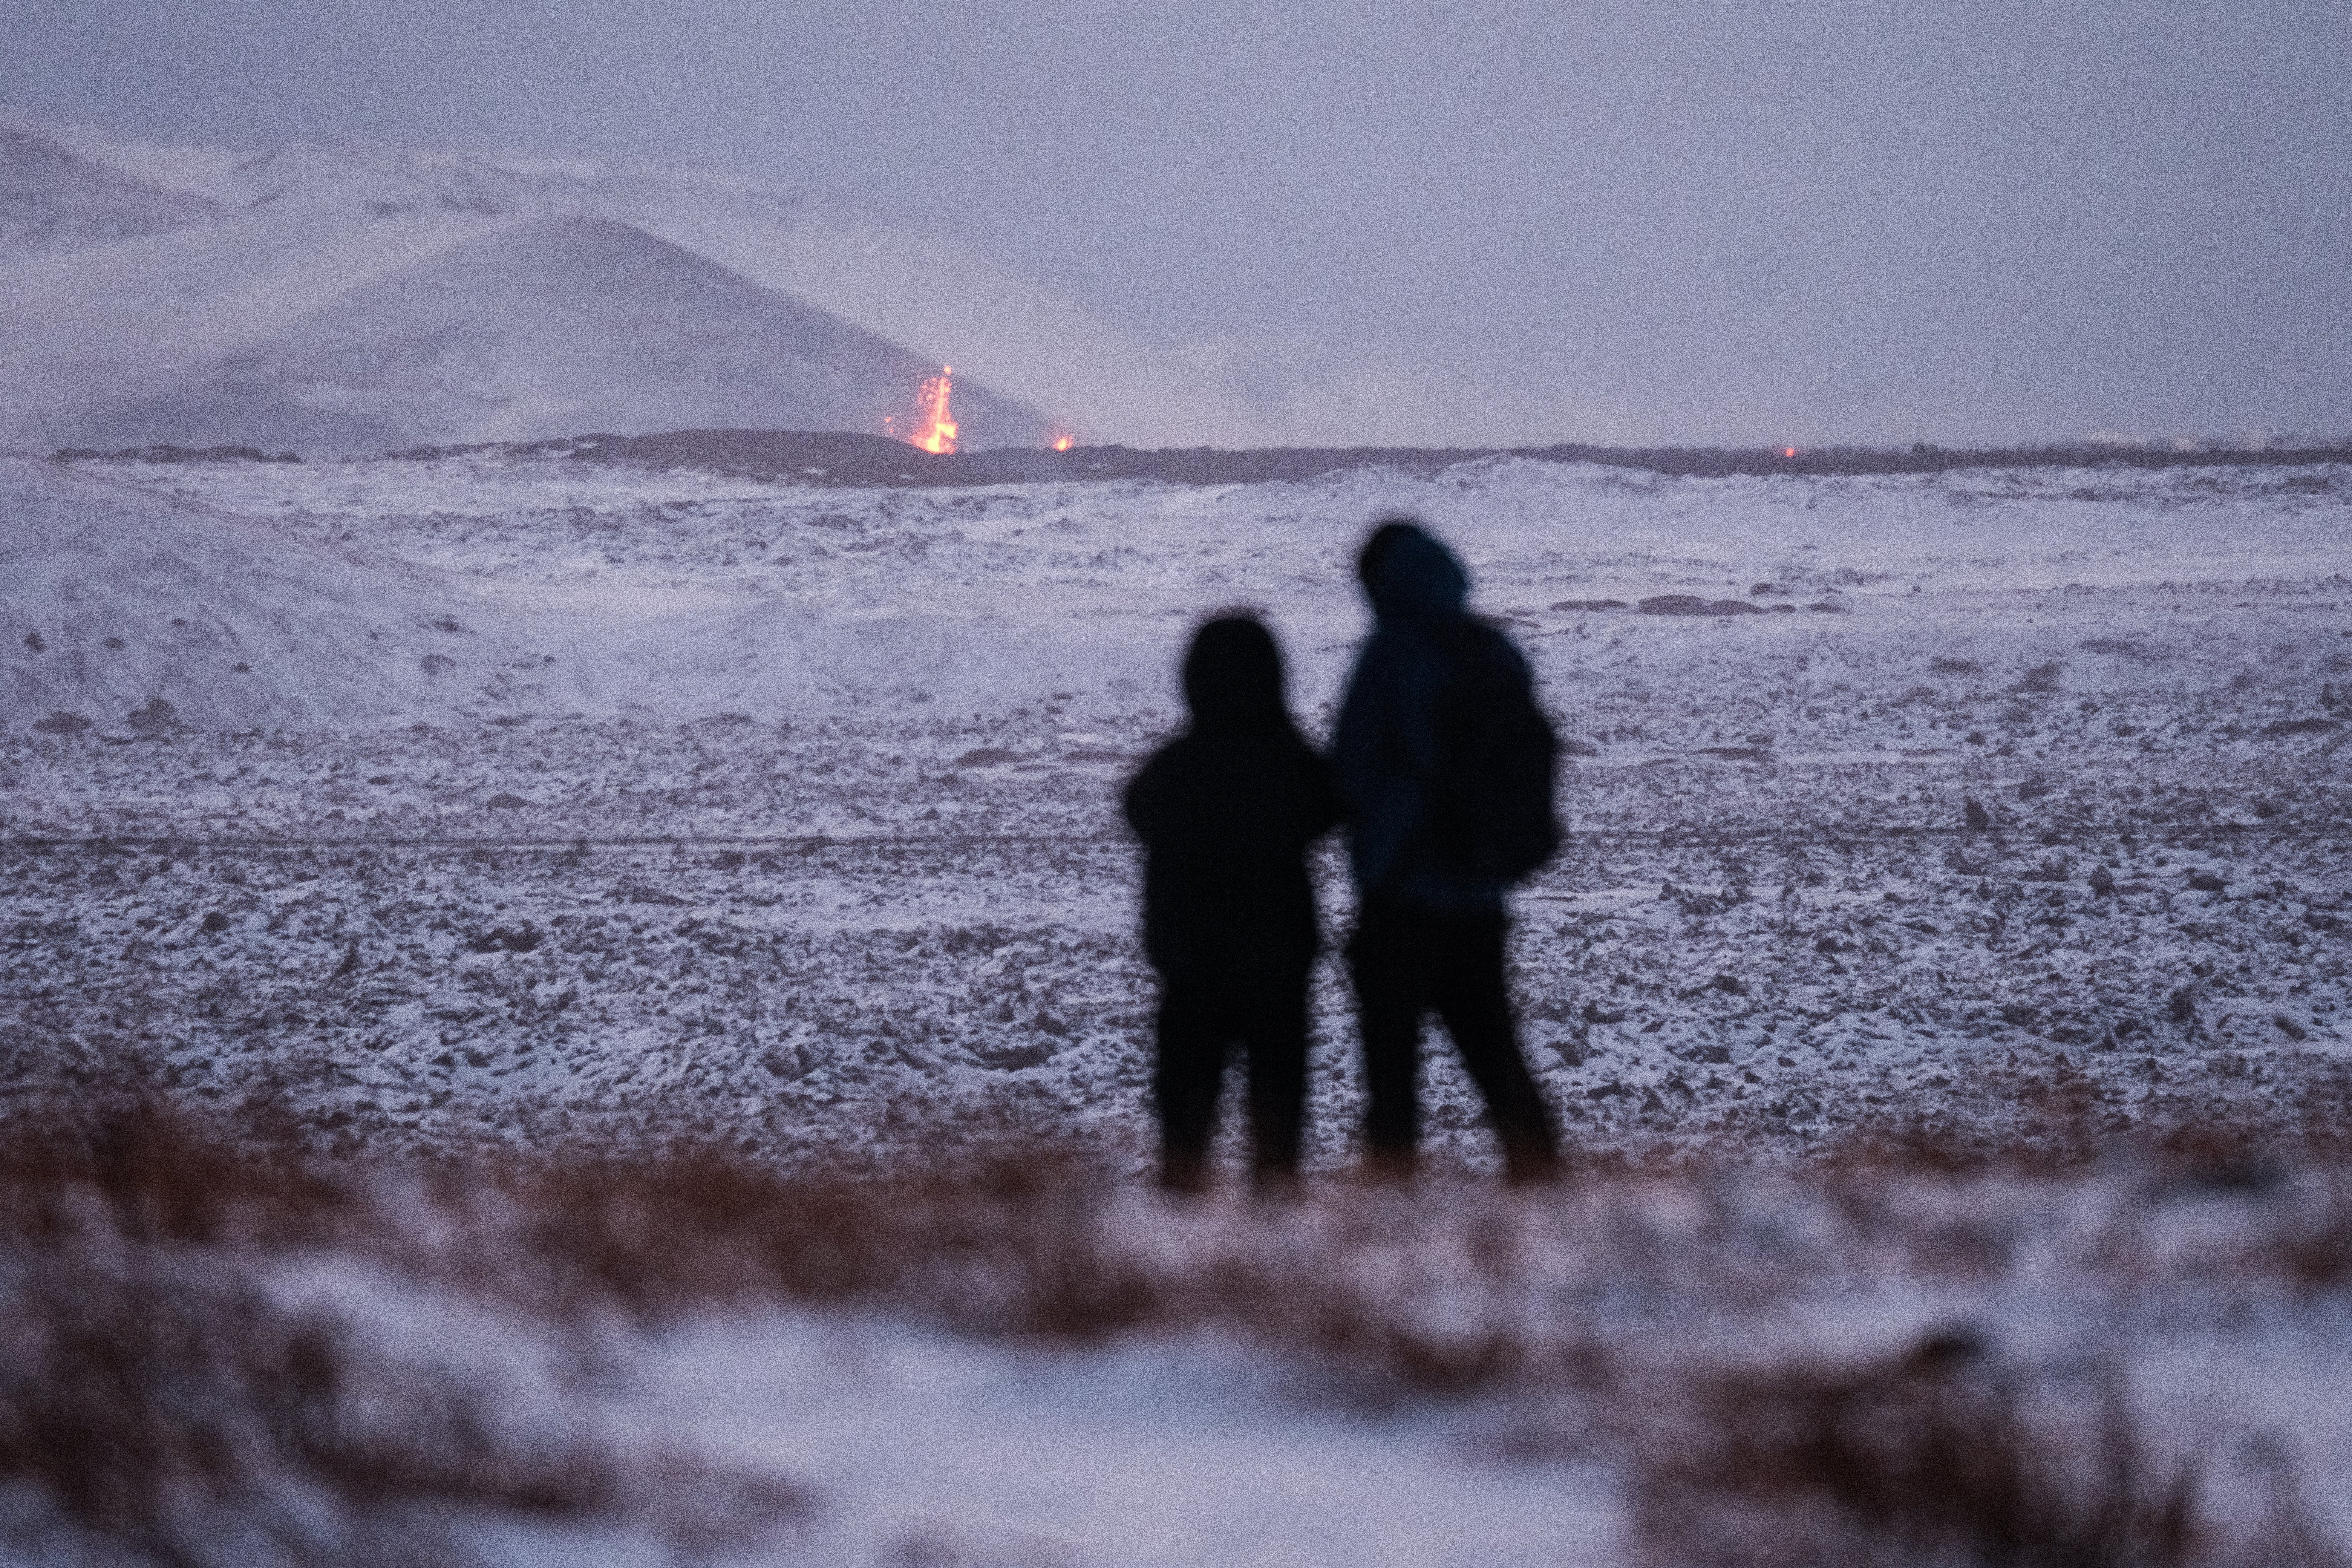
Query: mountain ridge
[[53, 198], [916, 282], [539, 326]]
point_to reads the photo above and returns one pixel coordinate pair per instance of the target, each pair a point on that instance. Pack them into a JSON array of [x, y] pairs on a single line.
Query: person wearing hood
[[1226, 812], [1443, 765]]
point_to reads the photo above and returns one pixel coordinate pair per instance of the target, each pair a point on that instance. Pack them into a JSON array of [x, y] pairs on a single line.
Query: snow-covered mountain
[[121, 332], [545, 326], [53, 198]]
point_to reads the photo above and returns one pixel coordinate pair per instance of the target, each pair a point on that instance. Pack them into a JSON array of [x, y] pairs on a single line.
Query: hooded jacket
[[1390, 750], [1226, 812]]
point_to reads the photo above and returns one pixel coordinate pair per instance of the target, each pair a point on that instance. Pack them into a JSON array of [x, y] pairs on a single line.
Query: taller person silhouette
[[1444, 768]]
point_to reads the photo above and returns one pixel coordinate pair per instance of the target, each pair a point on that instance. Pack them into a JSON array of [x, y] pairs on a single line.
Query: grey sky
[[1649, 222]]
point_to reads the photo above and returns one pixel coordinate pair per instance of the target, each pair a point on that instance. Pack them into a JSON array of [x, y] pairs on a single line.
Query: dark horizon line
[[841, 457]]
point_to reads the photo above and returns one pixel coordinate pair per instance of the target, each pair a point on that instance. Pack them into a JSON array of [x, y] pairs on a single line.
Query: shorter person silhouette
[[1226, 812]]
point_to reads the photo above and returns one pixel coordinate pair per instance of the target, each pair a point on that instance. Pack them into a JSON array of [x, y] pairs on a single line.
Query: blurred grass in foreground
[[223, 1349]]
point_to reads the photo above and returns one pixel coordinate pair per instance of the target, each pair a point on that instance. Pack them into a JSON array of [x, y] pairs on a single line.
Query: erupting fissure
[[935, 427]]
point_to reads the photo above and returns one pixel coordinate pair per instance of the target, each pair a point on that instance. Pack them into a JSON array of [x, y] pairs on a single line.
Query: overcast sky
[[1505, 221]]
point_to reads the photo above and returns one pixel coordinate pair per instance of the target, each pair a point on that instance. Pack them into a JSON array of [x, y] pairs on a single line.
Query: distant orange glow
[[1064, 441], [1787, 451], [935, 429]]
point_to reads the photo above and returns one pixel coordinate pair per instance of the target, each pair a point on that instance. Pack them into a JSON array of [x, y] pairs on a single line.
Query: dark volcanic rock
[[1692, 605], [2040, 678], [850, 459], [1012, 1059], [157, 718], [506, 939], [165, 452]]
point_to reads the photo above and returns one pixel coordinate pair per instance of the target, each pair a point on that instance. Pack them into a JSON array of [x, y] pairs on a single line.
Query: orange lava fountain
[[936, 429], [1064, 441]]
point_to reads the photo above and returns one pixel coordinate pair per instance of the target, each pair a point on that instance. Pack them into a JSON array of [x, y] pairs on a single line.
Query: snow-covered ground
[[1041, 1370], [760, 806], [784, 817], [935, 1449]]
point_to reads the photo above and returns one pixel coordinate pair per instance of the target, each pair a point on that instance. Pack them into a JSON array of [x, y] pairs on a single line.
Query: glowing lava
[[935, 430], [1064, 441]]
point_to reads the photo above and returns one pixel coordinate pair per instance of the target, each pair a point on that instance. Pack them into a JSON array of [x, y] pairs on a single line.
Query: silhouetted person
[[1225, 812], [1444, 769]]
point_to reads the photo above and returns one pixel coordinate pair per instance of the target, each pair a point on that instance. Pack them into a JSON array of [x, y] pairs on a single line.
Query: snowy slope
[[86, 323], [322, 314], [694, 594], [122, 607], [2015, 569], [53, 198], [349, 638], [914, 282], [546, 326], [923, 283]]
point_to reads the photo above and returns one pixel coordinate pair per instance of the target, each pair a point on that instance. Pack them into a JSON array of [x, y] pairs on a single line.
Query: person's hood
[[1418, 580], [1233, 678]]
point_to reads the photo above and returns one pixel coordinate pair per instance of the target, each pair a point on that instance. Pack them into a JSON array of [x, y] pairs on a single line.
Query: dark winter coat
[[1226, 812], [1389, 752]]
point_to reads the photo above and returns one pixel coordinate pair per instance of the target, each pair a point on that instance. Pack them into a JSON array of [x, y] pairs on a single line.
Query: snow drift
[[139, 613], [124, 608]]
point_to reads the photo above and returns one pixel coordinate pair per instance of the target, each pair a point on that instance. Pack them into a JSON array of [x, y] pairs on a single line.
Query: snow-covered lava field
[[656, 801], [500, 802]]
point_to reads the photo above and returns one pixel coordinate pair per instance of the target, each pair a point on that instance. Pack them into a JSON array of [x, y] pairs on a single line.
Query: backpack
[[1492, 813]]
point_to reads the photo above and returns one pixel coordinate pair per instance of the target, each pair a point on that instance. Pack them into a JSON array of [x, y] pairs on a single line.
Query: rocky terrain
[[2024, 824]]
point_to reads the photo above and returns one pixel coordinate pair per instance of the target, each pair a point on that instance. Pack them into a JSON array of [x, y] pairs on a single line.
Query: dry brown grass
[[1941, 1455], [171, 1414], [160, 1404], [166, 1405], [1035, 1241], [1005, 1242], [2311, 1246]]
